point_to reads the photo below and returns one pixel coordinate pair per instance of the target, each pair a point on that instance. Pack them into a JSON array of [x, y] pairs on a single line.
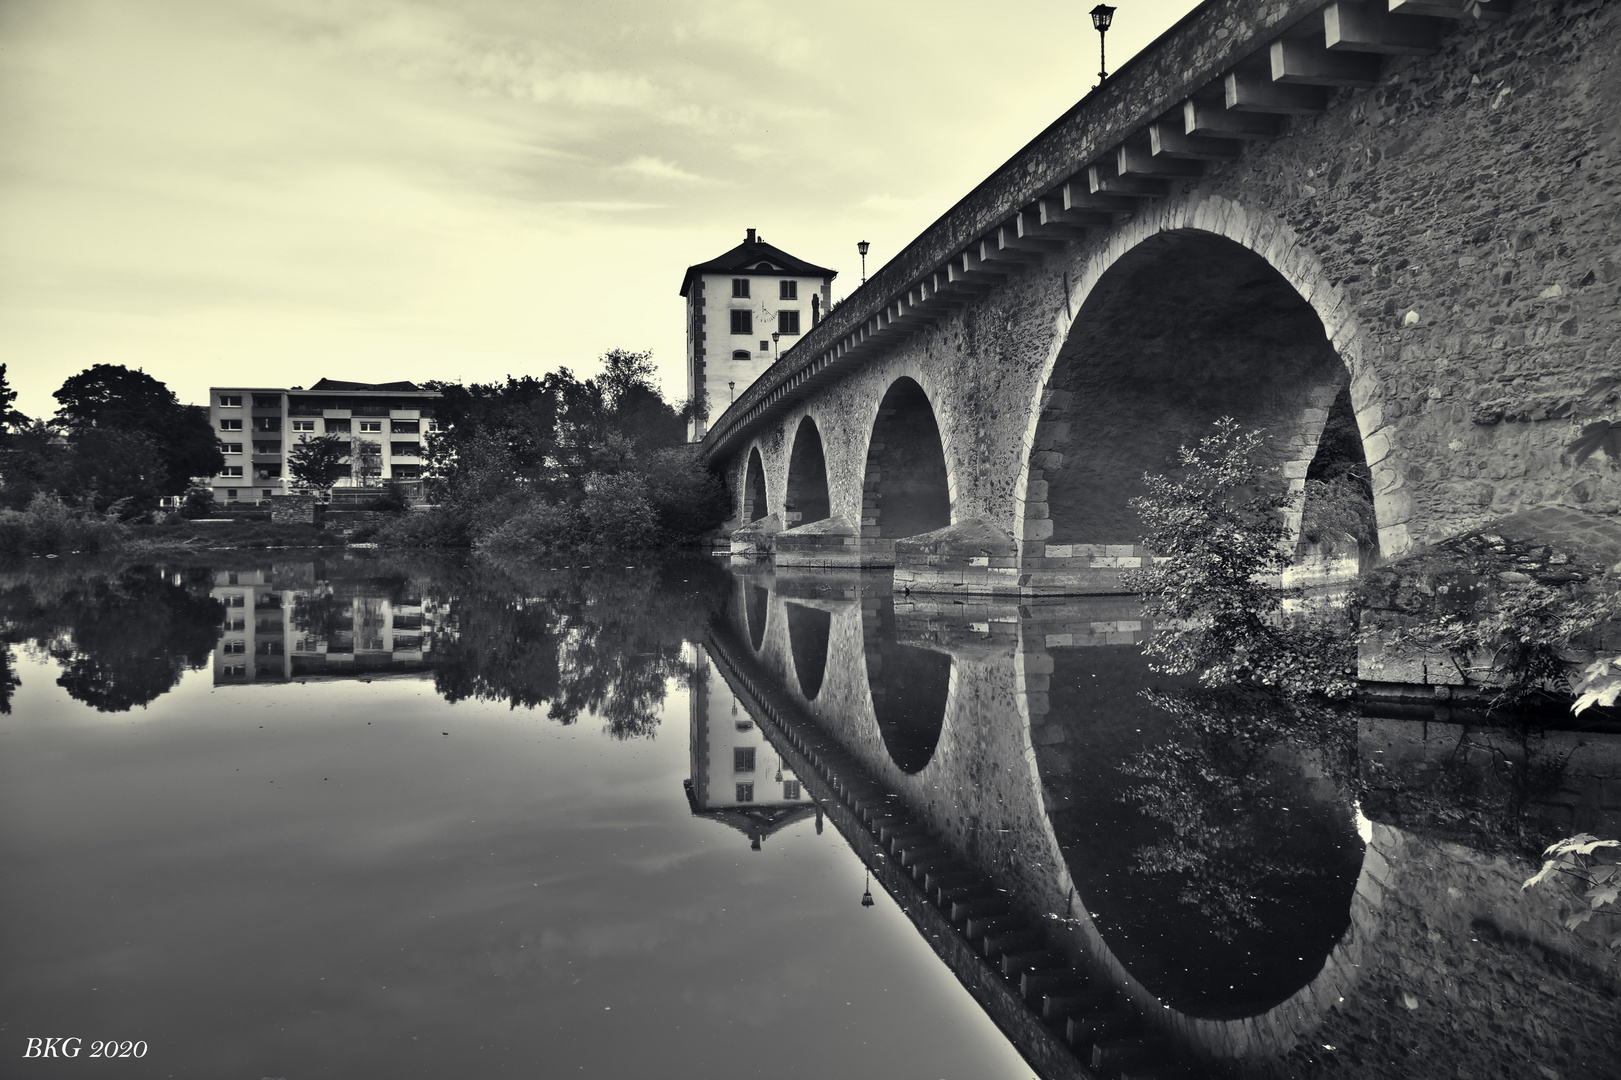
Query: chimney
[[751, 236]]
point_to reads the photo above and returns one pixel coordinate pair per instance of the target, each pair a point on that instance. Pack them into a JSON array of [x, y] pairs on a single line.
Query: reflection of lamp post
[[866, 897], [861, 246], [1102, 16]]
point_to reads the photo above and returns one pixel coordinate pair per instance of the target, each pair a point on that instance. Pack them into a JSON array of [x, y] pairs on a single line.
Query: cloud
[[659, 169]]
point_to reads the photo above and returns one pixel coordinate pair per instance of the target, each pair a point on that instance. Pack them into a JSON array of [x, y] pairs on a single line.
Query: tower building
[[735, 303]]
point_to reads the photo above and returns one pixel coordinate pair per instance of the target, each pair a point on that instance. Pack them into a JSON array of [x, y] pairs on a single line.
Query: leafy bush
[[616, 513], [540, 528], [392, 500], [688, 499], [1338, 507], [1218, 527], [50, 526], [441, 527], [1519, 642], [1590, 869]]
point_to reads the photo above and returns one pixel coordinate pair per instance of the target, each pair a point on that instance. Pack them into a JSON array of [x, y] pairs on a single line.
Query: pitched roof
[[387, 387], [755, 256]]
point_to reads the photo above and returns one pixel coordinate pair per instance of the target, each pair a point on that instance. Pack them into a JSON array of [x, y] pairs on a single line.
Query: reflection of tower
[[727, 754]]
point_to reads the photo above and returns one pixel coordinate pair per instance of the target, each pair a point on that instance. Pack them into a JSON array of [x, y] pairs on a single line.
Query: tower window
[[740, 288], [740, 354], [788, 290], [743, 321], [742, 759], [788, 322]]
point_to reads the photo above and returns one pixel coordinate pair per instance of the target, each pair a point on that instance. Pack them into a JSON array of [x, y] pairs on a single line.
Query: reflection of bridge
[[961, 829], [1274, 210]]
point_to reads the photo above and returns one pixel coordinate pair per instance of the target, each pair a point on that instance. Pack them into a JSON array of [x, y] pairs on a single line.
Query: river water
[[350, 817]]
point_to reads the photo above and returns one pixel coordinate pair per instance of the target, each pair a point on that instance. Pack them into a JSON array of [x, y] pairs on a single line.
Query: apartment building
[[743, 309], [257, 427]]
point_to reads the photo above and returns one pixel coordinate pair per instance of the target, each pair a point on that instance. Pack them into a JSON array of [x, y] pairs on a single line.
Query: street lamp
[[775, 334], [861, 246], [1102, 16]]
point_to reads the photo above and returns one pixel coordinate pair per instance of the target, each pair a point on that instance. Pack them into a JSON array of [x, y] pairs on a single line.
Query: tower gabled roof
[[755, 256]]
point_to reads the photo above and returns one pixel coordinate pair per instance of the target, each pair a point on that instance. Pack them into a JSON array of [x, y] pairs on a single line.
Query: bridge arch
[[806, 499], [1199, 309], [906, 485], [809, 639], [753, 505]]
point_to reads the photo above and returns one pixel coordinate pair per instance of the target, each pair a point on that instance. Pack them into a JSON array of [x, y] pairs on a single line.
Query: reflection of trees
[[601, 642], [122, 637], [8, 679], [1489, 790], [1246, 836]]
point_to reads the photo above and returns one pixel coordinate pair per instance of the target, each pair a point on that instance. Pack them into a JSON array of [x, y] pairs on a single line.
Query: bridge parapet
[[1228, 73]]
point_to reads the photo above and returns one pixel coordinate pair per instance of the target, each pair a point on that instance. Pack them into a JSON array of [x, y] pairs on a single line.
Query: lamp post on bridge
[[1102, 16], [861, 246]]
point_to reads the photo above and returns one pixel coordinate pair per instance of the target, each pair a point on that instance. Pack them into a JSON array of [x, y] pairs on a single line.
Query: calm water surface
[[406, 817]]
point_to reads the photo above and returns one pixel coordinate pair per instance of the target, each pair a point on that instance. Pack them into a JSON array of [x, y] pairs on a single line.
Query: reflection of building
[[737, 777], [257, 426], [304, 628], [736, 302]]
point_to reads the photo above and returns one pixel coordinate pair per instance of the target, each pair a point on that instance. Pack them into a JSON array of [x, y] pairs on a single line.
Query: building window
[[407, 472], [790, 789], [230, 425], [742, 323], [765, 346], [267, 472], [788, 322], [371, 425], [740, 288], [788, 290], [267, 448], [230, 494], [230, 448], [267, 401], [337, 427], [405, 449], [230, 401], [745, 725], [741, 354], [235, 671], [267, 423], [231, 470], [742, 759], [230, 578], [234, 647], [303, 425], [745, 793]]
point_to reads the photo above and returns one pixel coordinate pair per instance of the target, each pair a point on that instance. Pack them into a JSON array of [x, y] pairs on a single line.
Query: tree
[[111, 397], [316, 464], [367, 457], [10, 419], [1218, 527]]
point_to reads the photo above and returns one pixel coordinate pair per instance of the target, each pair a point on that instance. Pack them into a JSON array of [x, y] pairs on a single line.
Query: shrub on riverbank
[[556, 465], [49, 526]]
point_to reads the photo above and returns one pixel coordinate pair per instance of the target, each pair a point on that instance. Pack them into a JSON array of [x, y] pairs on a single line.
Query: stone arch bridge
[[1407, 205]]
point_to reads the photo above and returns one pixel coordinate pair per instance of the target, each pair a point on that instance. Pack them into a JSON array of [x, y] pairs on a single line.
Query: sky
[[268, 192]]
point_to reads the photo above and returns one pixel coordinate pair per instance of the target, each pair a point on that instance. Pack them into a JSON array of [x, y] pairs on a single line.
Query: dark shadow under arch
[[1184, 328], [756, 608], [1215, 897], [809, 630], [905, 490], [909, 688], [807, 498], [754, 500]]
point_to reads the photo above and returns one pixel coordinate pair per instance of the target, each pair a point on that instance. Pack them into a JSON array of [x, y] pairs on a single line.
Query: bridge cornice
[[1210, 42]]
